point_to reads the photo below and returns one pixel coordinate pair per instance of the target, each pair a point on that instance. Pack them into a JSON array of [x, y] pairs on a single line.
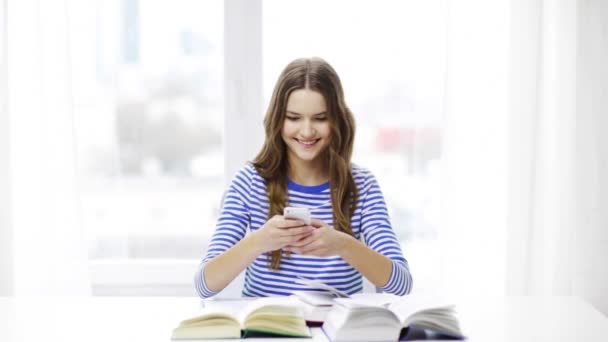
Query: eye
[[292, 118], [321, 118]]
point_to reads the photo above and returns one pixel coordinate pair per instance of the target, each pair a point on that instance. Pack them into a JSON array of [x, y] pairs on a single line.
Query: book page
[[406, 306], [265, 302], [315, 284], [209, 322], [365, 307], [228, 307], [315, 298], [436, 314], [376, 299], [282, 316]]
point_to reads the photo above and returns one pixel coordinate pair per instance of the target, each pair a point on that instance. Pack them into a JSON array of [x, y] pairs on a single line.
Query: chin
[[316, 156], [308, 158]]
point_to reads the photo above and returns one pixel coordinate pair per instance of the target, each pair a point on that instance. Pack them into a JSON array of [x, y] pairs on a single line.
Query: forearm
[[222, 269], [371, 264]]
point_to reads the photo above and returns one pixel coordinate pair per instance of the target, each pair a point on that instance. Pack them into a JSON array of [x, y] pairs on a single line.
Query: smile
[[307, 143]]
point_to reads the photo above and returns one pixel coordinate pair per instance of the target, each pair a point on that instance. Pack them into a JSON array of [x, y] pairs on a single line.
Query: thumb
[[317, 223]]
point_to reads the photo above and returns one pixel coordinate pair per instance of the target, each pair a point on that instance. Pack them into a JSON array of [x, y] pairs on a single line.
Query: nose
[[308, 130]]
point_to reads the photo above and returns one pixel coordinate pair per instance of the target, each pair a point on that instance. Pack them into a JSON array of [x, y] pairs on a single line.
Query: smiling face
[[306, 128]]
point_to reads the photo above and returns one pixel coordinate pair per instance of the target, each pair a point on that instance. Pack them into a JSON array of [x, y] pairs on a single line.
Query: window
[[149, 104]]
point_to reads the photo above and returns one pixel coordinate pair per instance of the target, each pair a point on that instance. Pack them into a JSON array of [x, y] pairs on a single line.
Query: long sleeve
[[380, 236], [231, 226]]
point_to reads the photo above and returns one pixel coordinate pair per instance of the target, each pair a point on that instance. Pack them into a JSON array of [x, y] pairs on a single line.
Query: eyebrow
[[318, 114]]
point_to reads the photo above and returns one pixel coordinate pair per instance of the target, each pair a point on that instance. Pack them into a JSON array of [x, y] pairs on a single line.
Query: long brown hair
[[271, 162]]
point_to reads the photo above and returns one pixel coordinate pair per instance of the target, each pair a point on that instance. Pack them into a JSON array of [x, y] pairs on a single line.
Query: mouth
[[307, 143]]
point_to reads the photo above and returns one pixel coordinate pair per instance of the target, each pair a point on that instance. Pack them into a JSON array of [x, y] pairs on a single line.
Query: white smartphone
[[302, 214]]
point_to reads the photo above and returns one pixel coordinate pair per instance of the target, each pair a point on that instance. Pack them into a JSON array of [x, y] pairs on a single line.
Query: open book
[[368, 319], [315, 305], [317, 301], [260, 317]]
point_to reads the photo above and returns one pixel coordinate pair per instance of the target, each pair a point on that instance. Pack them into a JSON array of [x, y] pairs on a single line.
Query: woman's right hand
[[279, 232]]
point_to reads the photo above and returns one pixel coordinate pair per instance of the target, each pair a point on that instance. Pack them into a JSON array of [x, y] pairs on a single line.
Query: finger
[[303, 242], [288, 240], [290, 223], [304, 251], [309, 248], [304, 230], [320, 252], [317, 223]]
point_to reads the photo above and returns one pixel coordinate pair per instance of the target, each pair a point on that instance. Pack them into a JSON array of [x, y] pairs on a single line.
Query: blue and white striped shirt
[[246, 206]]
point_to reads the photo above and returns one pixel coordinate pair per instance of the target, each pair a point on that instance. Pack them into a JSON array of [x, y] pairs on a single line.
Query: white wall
[[6, 253], [591, 271]]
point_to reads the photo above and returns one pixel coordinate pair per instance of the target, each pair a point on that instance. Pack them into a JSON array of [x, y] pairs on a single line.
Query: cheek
[[284, 129], [325, 130], [287, 128]]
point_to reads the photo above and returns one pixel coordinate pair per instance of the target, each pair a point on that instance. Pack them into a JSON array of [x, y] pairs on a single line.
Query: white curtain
[[48, 240], [6, 234], [591, 235], [524, 186], [542, 202], [558, 241]]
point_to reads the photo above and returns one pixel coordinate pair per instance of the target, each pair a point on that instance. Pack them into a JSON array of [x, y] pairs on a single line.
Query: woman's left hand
[[324, 241]]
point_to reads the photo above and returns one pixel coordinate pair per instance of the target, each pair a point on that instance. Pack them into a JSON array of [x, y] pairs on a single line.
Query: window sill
[[143, 277]]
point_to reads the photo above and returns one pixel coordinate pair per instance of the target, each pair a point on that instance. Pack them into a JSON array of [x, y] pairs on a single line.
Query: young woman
[[304, 162]]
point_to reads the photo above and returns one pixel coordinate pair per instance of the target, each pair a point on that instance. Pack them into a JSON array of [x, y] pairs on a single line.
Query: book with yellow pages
[[262, 317]]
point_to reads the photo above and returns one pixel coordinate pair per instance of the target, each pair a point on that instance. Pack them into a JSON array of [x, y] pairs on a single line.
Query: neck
[[309, 173]]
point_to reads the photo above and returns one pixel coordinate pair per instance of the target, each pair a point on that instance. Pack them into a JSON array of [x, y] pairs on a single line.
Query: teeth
[[307, 142]]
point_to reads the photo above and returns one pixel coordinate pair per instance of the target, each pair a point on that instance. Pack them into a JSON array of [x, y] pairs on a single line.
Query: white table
[[112, 319]]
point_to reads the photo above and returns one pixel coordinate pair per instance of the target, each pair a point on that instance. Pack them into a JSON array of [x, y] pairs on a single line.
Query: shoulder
[[360, 172], [246, 176], [248, 171], [245, 182], [364, 178]]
